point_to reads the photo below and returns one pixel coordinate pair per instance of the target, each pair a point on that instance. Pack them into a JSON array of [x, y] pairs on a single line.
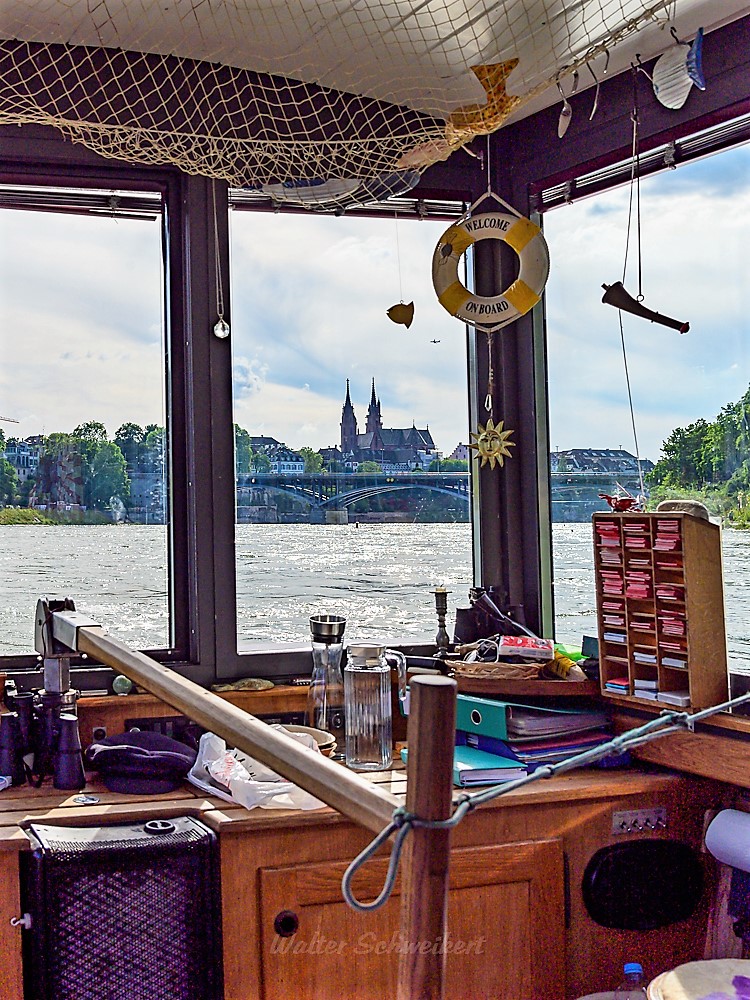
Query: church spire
[[374, 420], [349, 428]]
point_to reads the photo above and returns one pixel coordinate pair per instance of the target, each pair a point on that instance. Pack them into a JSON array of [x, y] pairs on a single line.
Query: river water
[[378, 575]]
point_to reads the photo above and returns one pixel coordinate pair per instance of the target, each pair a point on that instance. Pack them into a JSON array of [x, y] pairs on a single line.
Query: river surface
[[378, 575]]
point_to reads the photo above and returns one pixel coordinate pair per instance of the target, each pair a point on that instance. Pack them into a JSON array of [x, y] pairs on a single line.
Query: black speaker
[[643, 885], [129, 912]]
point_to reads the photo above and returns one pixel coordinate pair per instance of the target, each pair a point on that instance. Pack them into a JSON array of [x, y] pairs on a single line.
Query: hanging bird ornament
[[492, 444], [402, 312]]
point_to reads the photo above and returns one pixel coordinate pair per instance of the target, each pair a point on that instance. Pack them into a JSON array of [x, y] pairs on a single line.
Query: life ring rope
[[491, 312]]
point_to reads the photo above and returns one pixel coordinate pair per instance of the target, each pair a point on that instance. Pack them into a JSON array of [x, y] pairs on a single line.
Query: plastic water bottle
[[633, 985]]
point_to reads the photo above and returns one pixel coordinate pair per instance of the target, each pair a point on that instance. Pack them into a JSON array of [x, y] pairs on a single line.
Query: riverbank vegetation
[[709, 461]]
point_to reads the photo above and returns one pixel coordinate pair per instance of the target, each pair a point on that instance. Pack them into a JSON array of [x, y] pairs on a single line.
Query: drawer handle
[[286, 923]]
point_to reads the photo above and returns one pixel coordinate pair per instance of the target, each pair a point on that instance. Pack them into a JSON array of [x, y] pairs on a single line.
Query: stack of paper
[[646, 688], [618, 685], [528, 721]]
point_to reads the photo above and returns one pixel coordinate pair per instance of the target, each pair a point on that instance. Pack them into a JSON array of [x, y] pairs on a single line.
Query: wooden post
[[429, 793]]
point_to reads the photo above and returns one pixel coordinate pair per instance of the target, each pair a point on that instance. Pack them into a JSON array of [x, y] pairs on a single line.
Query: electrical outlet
[[98, 733]]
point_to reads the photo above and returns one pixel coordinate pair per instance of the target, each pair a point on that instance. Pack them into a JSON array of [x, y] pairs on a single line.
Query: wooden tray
[[526, 689]]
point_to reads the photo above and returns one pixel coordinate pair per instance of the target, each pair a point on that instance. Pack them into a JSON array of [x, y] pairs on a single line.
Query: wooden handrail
[[349, 793]]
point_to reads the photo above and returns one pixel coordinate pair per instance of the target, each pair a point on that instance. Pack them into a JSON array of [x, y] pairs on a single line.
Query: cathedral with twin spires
[[395, 449]]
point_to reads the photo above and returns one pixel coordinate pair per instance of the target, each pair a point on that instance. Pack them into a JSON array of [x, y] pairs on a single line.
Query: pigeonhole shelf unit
[[660, 608]]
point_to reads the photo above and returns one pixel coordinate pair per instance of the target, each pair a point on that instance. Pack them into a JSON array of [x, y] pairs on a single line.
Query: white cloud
[[248, 377], [80, 313], [694, 268]]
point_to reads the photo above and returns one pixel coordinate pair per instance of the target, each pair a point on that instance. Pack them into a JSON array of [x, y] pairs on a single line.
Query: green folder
[[477, 767], [481, 715]]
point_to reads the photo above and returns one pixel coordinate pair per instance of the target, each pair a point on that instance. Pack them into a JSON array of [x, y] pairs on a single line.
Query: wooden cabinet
[[506, 931], [660, 608]]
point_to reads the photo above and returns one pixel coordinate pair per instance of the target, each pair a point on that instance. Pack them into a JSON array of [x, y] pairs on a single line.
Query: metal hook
[[638, 66], [673, 33]]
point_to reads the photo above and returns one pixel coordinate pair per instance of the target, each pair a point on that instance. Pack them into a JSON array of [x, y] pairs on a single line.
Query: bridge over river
[[575, 495]]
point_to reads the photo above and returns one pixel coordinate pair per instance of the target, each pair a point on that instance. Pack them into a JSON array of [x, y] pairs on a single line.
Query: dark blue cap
[[140, 763]]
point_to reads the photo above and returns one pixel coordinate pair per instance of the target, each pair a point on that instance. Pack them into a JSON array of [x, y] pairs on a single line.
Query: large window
[[83, 457], [690, 393], [351, 429]]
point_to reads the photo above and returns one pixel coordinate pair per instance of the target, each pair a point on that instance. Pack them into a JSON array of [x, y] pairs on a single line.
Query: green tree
[[313, 460], [261, 462], [243, 452], [107, 477], [90, 437], [25, 490], [154, 448], [8, 481], [449, 465], [57, 443], [369, 467], [685, 461], [129, 439]]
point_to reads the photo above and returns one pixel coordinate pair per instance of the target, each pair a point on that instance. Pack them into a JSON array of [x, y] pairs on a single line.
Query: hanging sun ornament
[[492, 444]]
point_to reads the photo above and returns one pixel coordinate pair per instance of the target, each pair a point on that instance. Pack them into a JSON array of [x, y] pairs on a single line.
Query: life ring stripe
[[458, 240], [521, 297], [520, 234], [454, 297]]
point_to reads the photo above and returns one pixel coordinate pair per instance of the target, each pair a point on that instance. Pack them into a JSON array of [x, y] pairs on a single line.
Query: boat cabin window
[[680, 403], [350, 428], [84, 482]]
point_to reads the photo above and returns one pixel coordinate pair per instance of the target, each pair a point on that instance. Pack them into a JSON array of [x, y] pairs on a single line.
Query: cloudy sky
[[80, 307]]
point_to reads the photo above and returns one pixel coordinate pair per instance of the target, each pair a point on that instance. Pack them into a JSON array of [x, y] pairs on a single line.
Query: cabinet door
[[505, 928]]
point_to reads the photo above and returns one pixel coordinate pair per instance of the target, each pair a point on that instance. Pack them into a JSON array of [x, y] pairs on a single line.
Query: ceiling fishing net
[[314, 101]]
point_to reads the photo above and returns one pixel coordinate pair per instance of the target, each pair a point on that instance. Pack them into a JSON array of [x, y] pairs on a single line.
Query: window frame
[[43, 160], [511, 525]]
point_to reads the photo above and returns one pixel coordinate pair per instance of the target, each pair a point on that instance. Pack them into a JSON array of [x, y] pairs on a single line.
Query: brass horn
[[615, 295]]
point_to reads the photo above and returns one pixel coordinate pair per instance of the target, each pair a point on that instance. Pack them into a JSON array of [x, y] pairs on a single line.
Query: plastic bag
[[233, 776]]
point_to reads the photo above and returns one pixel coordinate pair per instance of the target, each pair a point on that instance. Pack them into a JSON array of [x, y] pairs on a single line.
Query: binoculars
[[38, 738]]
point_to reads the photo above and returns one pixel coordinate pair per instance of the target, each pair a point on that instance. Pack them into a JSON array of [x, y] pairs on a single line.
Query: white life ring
[[493, 311]]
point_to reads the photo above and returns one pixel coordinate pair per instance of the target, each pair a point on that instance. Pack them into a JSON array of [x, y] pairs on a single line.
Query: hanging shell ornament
[[402, 312], [677, 71], [492, 444]]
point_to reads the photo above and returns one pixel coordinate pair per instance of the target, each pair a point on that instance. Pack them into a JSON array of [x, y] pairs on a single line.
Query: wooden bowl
[[326, 741]]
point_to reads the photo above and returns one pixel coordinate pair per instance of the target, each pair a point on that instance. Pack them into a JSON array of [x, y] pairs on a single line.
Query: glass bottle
[[325, 698]]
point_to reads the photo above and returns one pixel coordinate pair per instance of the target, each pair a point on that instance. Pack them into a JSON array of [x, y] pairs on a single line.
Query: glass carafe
[[325, 699], [367, 701]]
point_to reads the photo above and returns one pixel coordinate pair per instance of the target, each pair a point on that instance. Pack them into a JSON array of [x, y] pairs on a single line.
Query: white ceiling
[[416, 53]]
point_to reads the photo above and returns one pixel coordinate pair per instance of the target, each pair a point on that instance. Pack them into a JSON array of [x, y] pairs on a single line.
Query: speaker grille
[[121, 914]]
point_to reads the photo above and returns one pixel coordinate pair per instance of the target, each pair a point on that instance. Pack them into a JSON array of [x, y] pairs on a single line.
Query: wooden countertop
[[24, 804]]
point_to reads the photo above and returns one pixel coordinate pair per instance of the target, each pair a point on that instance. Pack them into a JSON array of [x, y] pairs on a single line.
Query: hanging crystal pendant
[[221, 328]]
